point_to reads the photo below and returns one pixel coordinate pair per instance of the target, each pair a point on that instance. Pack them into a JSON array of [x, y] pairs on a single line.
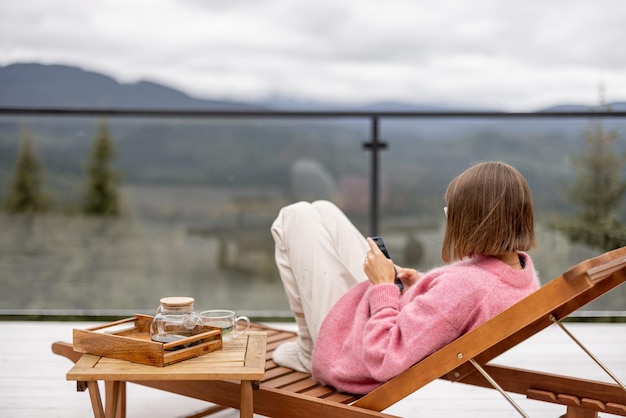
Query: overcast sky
[[513, 55]]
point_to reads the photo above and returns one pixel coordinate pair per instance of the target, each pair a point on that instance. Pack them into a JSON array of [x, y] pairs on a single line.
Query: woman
[[356, 329]]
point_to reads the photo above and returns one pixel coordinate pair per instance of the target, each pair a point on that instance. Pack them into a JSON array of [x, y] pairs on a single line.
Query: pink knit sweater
[[373, 333]]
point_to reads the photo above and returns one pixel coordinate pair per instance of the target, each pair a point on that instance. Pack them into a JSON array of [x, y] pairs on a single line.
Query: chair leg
[[206, 412], [574, 412]]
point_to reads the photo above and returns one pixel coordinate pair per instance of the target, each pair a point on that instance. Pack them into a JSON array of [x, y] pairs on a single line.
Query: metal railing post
[[374, 146]]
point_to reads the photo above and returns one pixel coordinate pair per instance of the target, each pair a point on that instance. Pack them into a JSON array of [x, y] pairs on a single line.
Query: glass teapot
[[175, 319]]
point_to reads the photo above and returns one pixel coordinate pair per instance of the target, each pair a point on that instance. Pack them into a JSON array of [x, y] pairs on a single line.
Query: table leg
[[115, 399], [246, 405], [121, 405], [112, 398], [96, 400]]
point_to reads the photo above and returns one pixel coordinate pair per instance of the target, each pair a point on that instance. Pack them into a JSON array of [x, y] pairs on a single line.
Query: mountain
[[615, 106], [37, 85]]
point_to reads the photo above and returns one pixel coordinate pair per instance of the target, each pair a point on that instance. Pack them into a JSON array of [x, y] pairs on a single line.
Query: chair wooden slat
[[285, 380], [301, 385]]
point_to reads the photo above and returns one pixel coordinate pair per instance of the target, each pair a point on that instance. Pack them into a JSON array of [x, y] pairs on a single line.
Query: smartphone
[[383, 248], [381, 245]]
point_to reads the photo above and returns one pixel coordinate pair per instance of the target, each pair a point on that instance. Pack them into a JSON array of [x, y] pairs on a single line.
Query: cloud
[[485, 53]]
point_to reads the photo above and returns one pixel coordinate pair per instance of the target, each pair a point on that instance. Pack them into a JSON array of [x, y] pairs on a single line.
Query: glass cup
[[227, 321]]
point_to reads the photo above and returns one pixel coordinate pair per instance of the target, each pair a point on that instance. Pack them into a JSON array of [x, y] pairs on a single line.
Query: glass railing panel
[[198, 196]]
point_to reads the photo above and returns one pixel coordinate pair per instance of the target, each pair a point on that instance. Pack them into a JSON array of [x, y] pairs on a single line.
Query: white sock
[[289, 355], [296, 354], [304, 338]]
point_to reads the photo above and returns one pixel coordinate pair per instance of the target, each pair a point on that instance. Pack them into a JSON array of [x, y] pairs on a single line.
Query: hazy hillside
[[33, 84], [64, 86]]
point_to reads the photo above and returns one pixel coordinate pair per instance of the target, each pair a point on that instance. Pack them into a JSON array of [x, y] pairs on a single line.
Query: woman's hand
[[407, 276], [378, 268]]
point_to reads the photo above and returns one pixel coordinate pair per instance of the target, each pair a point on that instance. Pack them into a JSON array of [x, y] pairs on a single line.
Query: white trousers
[[320, 255]]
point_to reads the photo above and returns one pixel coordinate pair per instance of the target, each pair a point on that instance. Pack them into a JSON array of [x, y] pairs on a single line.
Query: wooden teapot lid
[[177, 301]]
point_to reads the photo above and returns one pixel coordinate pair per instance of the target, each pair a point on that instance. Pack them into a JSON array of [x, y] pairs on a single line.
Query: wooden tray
[[134, 343]]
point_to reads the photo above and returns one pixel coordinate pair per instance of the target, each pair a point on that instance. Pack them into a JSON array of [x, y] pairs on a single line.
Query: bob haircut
[[489, 212]]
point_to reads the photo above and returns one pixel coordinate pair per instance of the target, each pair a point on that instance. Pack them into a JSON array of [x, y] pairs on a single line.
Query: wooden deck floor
[[32, 378]]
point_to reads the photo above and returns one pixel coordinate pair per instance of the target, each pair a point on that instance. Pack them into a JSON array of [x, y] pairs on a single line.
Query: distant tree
[[25, 193], [101, 195], [598, 191]]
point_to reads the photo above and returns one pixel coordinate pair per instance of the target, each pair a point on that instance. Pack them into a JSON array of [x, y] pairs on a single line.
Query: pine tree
[[101, 196], [598, 191], [25, 194]]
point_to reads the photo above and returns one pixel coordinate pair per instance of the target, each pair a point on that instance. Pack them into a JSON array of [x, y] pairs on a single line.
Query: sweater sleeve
[[395, 339]]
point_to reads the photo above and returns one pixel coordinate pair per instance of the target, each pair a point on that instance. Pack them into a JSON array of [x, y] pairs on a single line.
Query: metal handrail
[[267, 113]]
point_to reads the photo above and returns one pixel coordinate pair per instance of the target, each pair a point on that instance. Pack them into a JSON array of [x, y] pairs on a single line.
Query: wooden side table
[[242, 358]]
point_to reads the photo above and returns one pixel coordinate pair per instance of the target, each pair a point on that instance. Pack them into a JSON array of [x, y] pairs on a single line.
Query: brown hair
[[490, 212]]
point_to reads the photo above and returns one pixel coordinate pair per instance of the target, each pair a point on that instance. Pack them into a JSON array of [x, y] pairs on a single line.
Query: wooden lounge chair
[[286, 393]]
